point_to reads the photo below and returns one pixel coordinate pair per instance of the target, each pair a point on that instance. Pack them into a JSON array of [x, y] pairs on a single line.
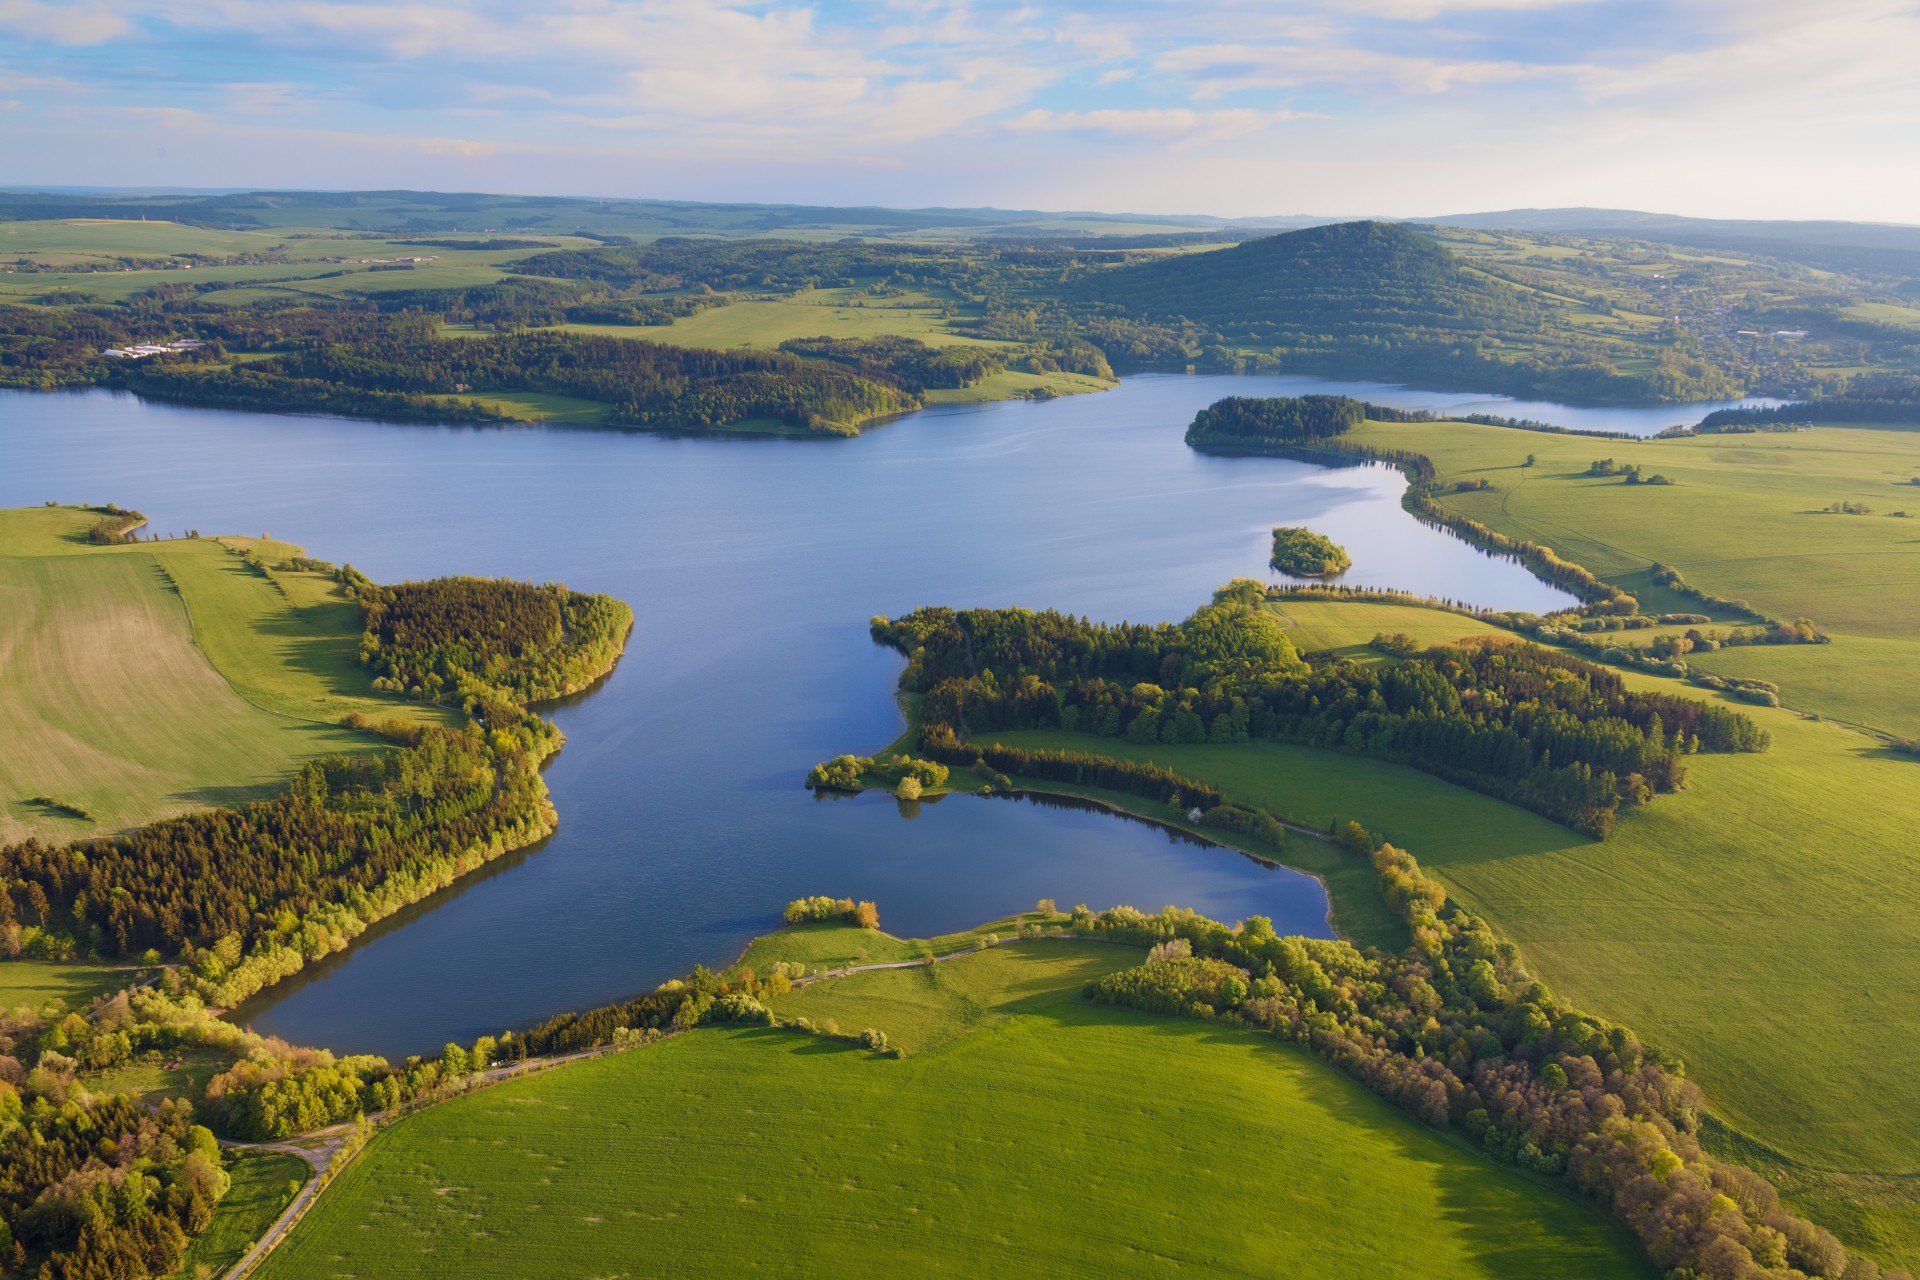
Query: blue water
[[752, 567]]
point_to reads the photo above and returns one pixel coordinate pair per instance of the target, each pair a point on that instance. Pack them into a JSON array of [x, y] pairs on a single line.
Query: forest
[[102, 1188], [1536, 728], [537, 643], [1243, 420]]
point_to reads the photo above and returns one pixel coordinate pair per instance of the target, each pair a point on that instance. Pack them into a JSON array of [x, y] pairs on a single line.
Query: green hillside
[[1378, 298]]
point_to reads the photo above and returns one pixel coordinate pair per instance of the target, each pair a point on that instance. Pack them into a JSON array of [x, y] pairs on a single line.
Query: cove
[[752, 567]]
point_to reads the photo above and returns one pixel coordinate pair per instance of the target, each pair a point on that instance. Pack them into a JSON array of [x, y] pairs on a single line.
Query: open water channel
[[752, 566]]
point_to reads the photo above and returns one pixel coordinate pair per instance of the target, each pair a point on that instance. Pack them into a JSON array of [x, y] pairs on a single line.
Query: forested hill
[[1359, 276], [1362, 298]]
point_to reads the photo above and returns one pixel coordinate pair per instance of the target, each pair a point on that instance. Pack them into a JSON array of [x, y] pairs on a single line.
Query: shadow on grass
[[1497, 1208]]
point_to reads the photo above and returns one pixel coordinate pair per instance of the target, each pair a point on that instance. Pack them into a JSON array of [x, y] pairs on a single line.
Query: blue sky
[[1753, 109]]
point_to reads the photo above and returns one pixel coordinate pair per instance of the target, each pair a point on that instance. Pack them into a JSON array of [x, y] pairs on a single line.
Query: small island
[[1306, 554]]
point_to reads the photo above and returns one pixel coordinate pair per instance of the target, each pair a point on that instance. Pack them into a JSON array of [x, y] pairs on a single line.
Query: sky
[[1722, 108]]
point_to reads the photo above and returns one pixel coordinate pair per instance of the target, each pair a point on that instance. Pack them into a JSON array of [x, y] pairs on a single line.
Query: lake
[[753, 566]]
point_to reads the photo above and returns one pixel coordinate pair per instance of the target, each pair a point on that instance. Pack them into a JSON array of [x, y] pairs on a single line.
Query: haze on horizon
[[1757, 109]]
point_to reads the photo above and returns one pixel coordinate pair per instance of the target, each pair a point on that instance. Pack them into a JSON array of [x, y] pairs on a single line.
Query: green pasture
[[1761, 924], [1017, 384], [82, 239], [34, 982], [1348, 627], [302, 274], [1033, 1131], [149, 679], [933, 1005], [833, 944], [180, 1073], [263, 1183], [835, 313], [1744, 519], [1883, 313], [540, 406]]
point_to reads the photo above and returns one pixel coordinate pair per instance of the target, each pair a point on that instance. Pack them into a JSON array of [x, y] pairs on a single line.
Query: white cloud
[[1427, 10], [1215, 70], [1165, 124], [73, 24]]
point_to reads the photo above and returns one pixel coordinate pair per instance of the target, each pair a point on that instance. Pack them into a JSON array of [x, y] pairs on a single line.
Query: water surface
[[752, 567]]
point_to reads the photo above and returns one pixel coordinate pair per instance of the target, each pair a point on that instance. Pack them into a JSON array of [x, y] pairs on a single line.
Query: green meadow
[[726, 1152], [264, 1184], [85, 255], [33, 983], [1745, 518], [149, 679], [768, 322], [1760, 924]]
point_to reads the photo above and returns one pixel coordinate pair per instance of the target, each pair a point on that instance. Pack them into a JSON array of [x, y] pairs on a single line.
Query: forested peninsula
[[1526, 724], [244, 897]]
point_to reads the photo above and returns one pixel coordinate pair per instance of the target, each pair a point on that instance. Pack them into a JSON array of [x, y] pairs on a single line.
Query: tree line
[[1455, 1031], [1534, 727]]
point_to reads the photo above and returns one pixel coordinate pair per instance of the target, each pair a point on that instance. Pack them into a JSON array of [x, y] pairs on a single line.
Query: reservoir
[[752, 566]]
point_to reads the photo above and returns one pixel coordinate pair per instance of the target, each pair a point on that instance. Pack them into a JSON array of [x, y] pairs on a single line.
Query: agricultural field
[[1745, 518], [152, 678], [1346, 628], [727, 1151], [1752, 924], [110, 261], [768, 322]]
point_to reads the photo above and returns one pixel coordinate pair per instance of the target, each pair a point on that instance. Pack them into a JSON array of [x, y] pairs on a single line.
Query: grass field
[[93, 248], [31, 982], [837, 313], [1744, 519], [149, 679], [1033, 1132], [264, 1183], [1347, 627], [1762, 924]]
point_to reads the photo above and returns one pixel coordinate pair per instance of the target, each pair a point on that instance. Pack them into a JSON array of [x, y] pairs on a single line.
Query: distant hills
[[1842, 246], [1875, 247]]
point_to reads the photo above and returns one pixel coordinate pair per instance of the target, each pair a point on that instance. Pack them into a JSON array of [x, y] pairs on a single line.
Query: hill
[[1845, 246], [1381, 299]]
